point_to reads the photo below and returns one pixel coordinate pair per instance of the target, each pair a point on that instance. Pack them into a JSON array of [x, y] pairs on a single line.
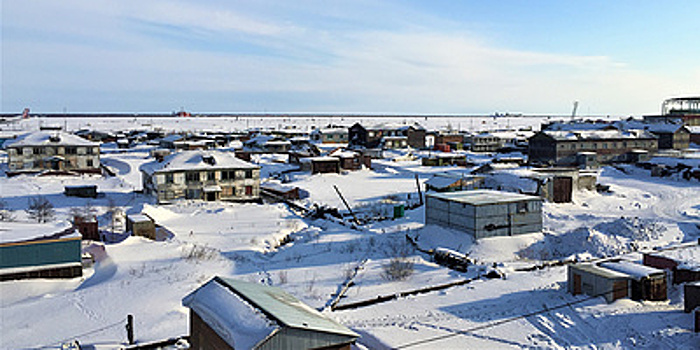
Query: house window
[[90, 164], [38, 150], [211, 176], [227, 191], [522, 207], [192, 177], [169, 178], [71, 150], [248, 174]]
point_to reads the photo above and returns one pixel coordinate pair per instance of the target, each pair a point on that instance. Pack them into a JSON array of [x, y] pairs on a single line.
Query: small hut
[[594, 280], [141, 225], [647, 283]]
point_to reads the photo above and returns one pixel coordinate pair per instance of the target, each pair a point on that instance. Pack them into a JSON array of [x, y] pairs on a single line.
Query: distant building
[[53, 151], [330, 135], [352, 160], [576, 147], [486, 142], [232, 314], [671, 136], [449, 182], [387, 135], [31, 250], [683, 263], [141, 225], [485, 213], [208, 175]]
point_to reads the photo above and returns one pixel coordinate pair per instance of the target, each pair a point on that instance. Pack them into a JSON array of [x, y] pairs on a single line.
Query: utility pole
[[130, 329], [346, 204]]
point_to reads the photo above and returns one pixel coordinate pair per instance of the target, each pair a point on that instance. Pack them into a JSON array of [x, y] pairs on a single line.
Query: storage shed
[[84, 191], [450, 182], [232, 314], [593, 280], [646, 283], [141, 225], [32, 250], [691, 296], [682, 262], [485, 213], [322, 165]]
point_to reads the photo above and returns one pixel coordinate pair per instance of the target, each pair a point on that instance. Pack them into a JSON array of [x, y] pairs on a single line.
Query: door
[[249, 190], [619, 290], [577, 284], [562, 188]]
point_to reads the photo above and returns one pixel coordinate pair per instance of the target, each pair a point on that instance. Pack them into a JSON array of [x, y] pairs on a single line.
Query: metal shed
[[227, 314], [646, 283], [485, 213], [594, 280]]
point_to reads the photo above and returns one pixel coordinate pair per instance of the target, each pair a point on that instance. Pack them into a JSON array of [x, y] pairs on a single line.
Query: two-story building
[[209, 175], [605, 146], [54, 150], [376, 136]]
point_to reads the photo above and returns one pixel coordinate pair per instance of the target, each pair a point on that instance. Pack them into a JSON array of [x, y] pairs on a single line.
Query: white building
[[55, 150], [485, 213], [202, 174]]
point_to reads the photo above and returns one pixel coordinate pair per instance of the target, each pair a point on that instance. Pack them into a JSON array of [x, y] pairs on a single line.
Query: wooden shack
[[87, 226], [646, 283], [227, 314], [83, 191], [683, 263], [594, 280], [141, 225], [691, 296], [323, 165]]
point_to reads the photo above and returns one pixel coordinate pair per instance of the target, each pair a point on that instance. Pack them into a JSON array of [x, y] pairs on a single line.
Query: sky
[[387, 57]]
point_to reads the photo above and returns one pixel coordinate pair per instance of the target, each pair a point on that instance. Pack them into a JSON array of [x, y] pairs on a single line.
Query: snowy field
[[523, 310]]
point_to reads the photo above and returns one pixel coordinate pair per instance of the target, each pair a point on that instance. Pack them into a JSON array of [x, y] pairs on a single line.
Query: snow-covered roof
[[54, 138], [447, 179], [599, 270], [248, 312], [12, 232], [230, 316], [172, 138], [636, 271], [343, 153], [395, 126], [484, 197], [597, 135], [687, 257], [197, 160], [138, 218]]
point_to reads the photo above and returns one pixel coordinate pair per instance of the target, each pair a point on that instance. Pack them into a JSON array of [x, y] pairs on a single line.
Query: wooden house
[[574, 148], [352, 160], [388, 135], [53, 151], [87, 226], [210, 175], [671, 136], [31, 250], [594, 280], [281, 191], [232, 314], [330, 135], [485, 213], [322, 165], [646, 283]]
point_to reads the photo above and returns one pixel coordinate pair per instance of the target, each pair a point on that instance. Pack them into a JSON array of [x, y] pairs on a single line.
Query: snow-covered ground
[[148, 279]]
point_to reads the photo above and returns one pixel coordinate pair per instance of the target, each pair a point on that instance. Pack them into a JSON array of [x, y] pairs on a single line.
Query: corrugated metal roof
[[483, 197], [285, 308]]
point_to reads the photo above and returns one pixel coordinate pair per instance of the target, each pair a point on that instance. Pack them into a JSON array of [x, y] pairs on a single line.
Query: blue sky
[[395, 57]]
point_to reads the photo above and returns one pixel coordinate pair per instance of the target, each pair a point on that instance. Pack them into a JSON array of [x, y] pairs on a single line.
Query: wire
[[83, 334], [507, 320]]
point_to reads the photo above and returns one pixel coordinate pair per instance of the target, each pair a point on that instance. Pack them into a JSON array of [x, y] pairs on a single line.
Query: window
[[90, 164], [211, 176], [248, 174], [38, 150], [169, 178], [522, 207], [192, 177], [90, 150], [228, 175], [71, 150], [227, 191]]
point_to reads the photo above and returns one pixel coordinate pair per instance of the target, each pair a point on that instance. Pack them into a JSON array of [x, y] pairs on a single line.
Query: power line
[[507, 320], [83, 334]]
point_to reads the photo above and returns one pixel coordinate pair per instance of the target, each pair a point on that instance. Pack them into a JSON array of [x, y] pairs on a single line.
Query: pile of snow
[[604, 239]]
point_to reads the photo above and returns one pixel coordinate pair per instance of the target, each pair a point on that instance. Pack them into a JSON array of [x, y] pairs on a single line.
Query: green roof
[[284, 308]]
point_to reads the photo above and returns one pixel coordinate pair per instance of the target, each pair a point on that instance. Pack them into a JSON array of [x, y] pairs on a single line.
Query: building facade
[[568, 148], [209, 175], [53, 151], [485, 213]]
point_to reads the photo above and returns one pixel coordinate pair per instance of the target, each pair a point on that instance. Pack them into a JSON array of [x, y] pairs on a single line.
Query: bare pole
[[420, 195], [346, 204]]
